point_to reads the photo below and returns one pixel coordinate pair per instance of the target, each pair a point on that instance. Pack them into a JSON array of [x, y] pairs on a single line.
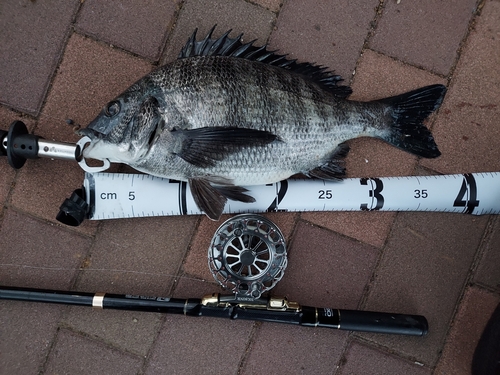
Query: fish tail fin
[[409, 110]]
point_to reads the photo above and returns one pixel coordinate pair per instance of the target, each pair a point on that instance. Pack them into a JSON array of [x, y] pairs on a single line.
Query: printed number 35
[[420, 193]]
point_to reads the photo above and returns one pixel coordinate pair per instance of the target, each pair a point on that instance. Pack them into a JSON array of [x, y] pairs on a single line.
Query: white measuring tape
[[118, 195]]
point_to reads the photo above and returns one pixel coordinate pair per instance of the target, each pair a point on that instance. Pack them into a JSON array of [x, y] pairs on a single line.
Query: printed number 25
[[325, 194]]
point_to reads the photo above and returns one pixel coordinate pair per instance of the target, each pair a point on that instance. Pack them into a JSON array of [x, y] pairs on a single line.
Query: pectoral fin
[[211, 199], [203, 147]]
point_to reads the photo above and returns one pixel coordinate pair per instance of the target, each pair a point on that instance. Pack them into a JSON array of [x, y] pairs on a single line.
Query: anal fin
[[211, 199], [334, 169]]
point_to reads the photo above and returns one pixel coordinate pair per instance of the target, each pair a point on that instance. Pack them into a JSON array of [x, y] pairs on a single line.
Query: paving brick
[[39, 254], [423, 33], [285, 349], [324, 32], [137, 256], [8, 116], [467, 126], [27, 331], [31, 41], [362, 359], [369, 227], [326, 269], [6, 182], [137, 27], [472, 316], [131, 331], [190, 345], [488, 272], [422, 271], [196, 260], [75, 354], [379, 76], [273, 5], [240, 16]]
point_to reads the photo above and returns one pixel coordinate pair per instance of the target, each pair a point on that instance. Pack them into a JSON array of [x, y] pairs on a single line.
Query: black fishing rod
[[273, 309], [247, 256]]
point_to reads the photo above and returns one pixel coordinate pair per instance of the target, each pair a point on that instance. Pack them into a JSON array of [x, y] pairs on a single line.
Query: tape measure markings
[[477, 193]]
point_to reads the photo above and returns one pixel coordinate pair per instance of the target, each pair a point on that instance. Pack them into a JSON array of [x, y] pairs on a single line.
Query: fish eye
[[112, 109]]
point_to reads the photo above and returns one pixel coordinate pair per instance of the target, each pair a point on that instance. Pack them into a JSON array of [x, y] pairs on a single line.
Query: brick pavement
[[64, 59]]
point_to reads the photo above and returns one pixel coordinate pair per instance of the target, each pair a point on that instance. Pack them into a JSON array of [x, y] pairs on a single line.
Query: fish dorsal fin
[[233, 47]]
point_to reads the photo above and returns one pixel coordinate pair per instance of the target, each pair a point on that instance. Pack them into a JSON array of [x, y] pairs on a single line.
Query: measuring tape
[[118, 195]]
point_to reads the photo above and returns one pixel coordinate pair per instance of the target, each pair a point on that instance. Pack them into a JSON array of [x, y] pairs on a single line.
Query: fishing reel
[[247, 256]]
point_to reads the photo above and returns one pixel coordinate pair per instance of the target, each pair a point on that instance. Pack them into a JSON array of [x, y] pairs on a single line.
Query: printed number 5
[[131, 195], [420, 193]]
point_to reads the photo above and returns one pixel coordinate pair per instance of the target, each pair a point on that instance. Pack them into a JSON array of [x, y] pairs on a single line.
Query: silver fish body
[[230, 119], [308, 122]]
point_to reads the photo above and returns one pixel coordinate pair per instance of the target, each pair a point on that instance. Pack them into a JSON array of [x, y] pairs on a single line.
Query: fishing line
[[44, 268]]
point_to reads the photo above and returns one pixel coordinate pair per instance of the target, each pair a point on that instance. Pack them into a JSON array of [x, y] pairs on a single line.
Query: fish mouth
[[91, 133]]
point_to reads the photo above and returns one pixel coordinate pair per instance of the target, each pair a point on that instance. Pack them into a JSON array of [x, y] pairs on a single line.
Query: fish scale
[[227, 114]]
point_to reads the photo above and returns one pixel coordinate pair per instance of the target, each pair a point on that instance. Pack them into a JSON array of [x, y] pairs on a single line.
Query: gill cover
[[146, 126]]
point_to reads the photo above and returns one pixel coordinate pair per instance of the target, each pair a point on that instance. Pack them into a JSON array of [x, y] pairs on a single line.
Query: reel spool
[[247, 255]]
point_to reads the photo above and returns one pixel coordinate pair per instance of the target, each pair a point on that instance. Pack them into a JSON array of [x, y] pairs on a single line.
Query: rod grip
[[379, 322]]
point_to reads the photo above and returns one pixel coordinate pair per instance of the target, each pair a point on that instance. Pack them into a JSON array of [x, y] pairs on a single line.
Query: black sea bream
[[227, 114]]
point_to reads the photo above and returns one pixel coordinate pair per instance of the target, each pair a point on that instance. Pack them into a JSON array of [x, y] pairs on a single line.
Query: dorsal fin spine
[[189, 47], [204, 42], [233, 47], [218, 44], [254, 53], [263, 57], [240, 51]]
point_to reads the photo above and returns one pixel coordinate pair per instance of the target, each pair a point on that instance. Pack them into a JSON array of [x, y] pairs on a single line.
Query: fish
[[227, 114]]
